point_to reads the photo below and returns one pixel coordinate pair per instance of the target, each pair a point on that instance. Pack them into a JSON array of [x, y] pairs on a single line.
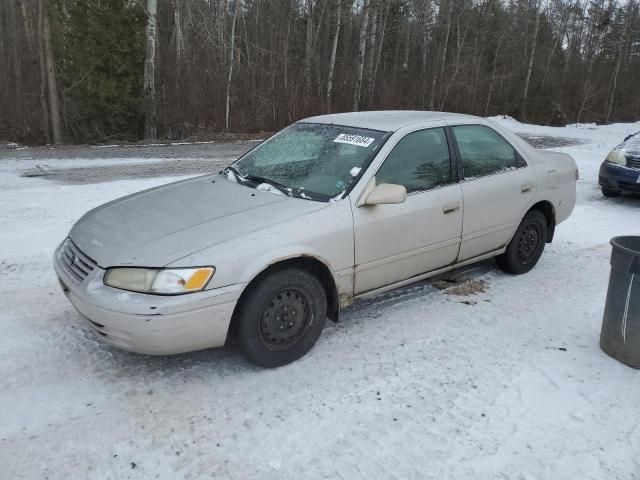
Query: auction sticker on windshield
[[358, 140]]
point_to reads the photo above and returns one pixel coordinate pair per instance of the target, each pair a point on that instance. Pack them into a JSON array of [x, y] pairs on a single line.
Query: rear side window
[[420, 161], [483, 151]]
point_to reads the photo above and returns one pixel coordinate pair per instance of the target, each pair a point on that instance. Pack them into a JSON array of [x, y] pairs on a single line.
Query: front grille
[[77, 263], [633, 162]]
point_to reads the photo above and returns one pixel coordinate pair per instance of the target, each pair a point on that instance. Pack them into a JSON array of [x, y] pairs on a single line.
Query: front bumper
[[150, 324], [619, 177]]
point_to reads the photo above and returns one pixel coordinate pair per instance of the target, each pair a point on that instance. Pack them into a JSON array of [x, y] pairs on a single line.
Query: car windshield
[[308, 160]]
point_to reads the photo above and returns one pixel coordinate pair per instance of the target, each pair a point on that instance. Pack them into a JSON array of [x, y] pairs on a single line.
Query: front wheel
[[282, 317], [526, 246]]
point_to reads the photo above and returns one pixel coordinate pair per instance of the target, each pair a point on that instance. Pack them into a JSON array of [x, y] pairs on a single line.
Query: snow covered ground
[[506, 383]]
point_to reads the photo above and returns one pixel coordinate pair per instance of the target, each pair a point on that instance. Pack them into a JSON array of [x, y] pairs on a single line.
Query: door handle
[[450, 208], [527, 187]]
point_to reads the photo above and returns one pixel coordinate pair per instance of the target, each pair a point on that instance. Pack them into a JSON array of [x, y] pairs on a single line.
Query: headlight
[[616, 156], [159, 281]]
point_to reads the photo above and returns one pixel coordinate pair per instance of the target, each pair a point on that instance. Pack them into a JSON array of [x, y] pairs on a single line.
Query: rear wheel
[[610, 192], [282, 317], [526, 246]]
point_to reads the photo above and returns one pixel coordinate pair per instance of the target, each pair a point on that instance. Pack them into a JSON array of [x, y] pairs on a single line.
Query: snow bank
[[506, 383]]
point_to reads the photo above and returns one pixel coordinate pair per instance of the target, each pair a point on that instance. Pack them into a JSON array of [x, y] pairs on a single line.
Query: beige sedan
[[327, 211]]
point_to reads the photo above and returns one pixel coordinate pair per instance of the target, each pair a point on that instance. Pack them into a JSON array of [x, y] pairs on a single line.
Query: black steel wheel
[[528, 243], [285, 319], [281, 317], [526, 246]]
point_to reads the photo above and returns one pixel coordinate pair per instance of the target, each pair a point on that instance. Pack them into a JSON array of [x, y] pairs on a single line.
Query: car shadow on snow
[[93, 353], [229, 360], [626, 198]]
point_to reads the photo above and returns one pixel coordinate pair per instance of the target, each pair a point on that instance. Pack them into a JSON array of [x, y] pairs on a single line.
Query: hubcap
[[285, 318], [528, 243]]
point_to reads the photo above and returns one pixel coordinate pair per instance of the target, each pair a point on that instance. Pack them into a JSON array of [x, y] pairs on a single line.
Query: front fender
[[325, 235]]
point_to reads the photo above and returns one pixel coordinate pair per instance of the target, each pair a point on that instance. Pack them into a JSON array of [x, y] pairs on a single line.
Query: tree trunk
[[532, 55], [407, 47], [316, 35], [332, 61], [362, 47], [316, 53], [17, 66], [285, 48], [46, 126], [493, 73], [231, 56], [179, 36], [27, 23], [308, 49], [372, 48], [443, 56], [616, 70], [379, 52], [614, 83], [52, 87], [285, 68], [460, 40], [559, 39], [150, 126]]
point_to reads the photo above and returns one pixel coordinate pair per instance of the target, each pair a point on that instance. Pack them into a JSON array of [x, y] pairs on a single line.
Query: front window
[[420, 161], [308, 160]]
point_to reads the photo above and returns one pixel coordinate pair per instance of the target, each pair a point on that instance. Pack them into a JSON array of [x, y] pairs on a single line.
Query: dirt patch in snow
[[470, 287]]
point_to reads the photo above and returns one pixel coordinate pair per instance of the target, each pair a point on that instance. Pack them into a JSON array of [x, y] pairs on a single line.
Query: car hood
[[156, 227]]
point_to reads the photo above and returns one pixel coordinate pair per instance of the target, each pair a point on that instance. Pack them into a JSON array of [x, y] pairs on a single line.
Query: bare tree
[[45, 124], [443, 54], [177, 25], [150, 121], [182, 60], [621, 48], [308, 49], [373, 14], [494, 66], [334, 49], [362, 47], [26, 20], [231, 58], [372, 83], [52, 84], [532, 55]]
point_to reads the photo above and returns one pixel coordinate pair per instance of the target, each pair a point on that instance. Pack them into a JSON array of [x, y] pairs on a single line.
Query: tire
[[282, 317], [610, 193], [526, 246]]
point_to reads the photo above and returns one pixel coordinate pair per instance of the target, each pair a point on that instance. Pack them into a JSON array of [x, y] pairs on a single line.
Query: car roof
[[385, 120]]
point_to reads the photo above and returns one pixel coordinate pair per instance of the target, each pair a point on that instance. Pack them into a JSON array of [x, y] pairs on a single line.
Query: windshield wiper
[[235, 172], [290, 192], [258, 180]]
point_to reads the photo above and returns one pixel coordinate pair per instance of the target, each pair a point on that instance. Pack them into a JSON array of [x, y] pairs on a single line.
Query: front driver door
[[396, 242]]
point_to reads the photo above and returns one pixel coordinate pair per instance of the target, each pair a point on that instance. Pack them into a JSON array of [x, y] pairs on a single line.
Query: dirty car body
[[397, 197]]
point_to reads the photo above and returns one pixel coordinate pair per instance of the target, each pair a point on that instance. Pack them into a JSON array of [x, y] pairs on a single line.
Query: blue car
[[620, 172]]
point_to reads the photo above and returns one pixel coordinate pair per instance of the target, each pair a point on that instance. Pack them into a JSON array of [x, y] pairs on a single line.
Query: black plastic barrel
[[620, 335]]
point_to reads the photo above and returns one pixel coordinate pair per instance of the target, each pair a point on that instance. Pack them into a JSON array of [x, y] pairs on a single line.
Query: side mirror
[[386, 193]]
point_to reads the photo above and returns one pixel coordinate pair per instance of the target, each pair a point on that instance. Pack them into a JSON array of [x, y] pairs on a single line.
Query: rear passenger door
[[497, 188]]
